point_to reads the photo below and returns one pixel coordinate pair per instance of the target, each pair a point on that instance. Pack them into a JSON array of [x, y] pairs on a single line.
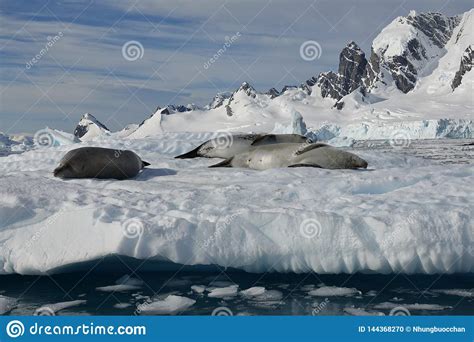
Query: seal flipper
[[309, 147], [305, 165], [191, 154], [144, 163], [225, 163], [264, 139]]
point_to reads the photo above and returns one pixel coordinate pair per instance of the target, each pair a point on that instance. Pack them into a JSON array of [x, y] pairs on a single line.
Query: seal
[[227, 146], [98, 162], [294, 155]]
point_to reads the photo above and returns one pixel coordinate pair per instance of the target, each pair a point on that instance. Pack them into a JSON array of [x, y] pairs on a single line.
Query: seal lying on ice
[[294, 155], [98, 162], [228, 145]]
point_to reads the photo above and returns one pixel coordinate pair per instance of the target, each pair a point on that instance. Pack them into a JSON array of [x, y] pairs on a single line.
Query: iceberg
[[404, 214]]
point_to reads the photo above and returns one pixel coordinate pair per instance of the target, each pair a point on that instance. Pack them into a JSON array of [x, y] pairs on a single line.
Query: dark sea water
[[289, 293]]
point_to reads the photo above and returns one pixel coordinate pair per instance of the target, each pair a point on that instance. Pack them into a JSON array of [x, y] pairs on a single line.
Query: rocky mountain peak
[[89, 126], [247, 89], [352, 64], [273, 93], [436, 26], [464, 67], [218, 100]]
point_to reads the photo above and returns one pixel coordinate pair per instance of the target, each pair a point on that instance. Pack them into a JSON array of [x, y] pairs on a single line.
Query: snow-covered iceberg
[[404, 215]]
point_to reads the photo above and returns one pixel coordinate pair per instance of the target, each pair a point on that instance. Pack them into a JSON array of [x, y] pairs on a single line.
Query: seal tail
[[225, 163]]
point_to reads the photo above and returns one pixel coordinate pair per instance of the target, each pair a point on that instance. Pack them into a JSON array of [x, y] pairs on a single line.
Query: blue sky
[[84, 69]]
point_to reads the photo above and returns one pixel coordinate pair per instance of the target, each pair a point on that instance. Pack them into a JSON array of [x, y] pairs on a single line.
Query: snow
[[333, 291], [170, 305], [405, 215]]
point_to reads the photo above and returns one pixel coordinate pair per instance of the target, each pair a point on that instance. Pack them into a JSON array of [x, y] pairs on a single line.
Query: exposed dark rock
[[171, 109], [464, 67], [273, 93], [352, 64], [219, 100], [84, 124], [228, 110], [330, 85], [436, 26]]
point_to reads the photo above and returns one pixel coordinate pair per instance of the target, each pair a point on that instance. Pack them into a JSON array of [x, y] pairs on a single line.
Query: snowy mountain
[[419, 69], [89, 127], [171, 109], [418, 78], [218, 100], [464, 67], [407, 49]]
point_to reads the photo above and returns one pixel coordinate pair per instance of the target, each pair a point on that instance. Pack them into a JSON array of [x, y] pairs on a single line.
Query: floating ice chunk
[[333, 291], [253, 291], [362, 312], [170, 305], [117, 288], [269, 296], [415, 306], [7, 304], [198, 288], [125, 283], [222, 292], [52, 309], [128, 280], [122, 305], [457, 292]]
